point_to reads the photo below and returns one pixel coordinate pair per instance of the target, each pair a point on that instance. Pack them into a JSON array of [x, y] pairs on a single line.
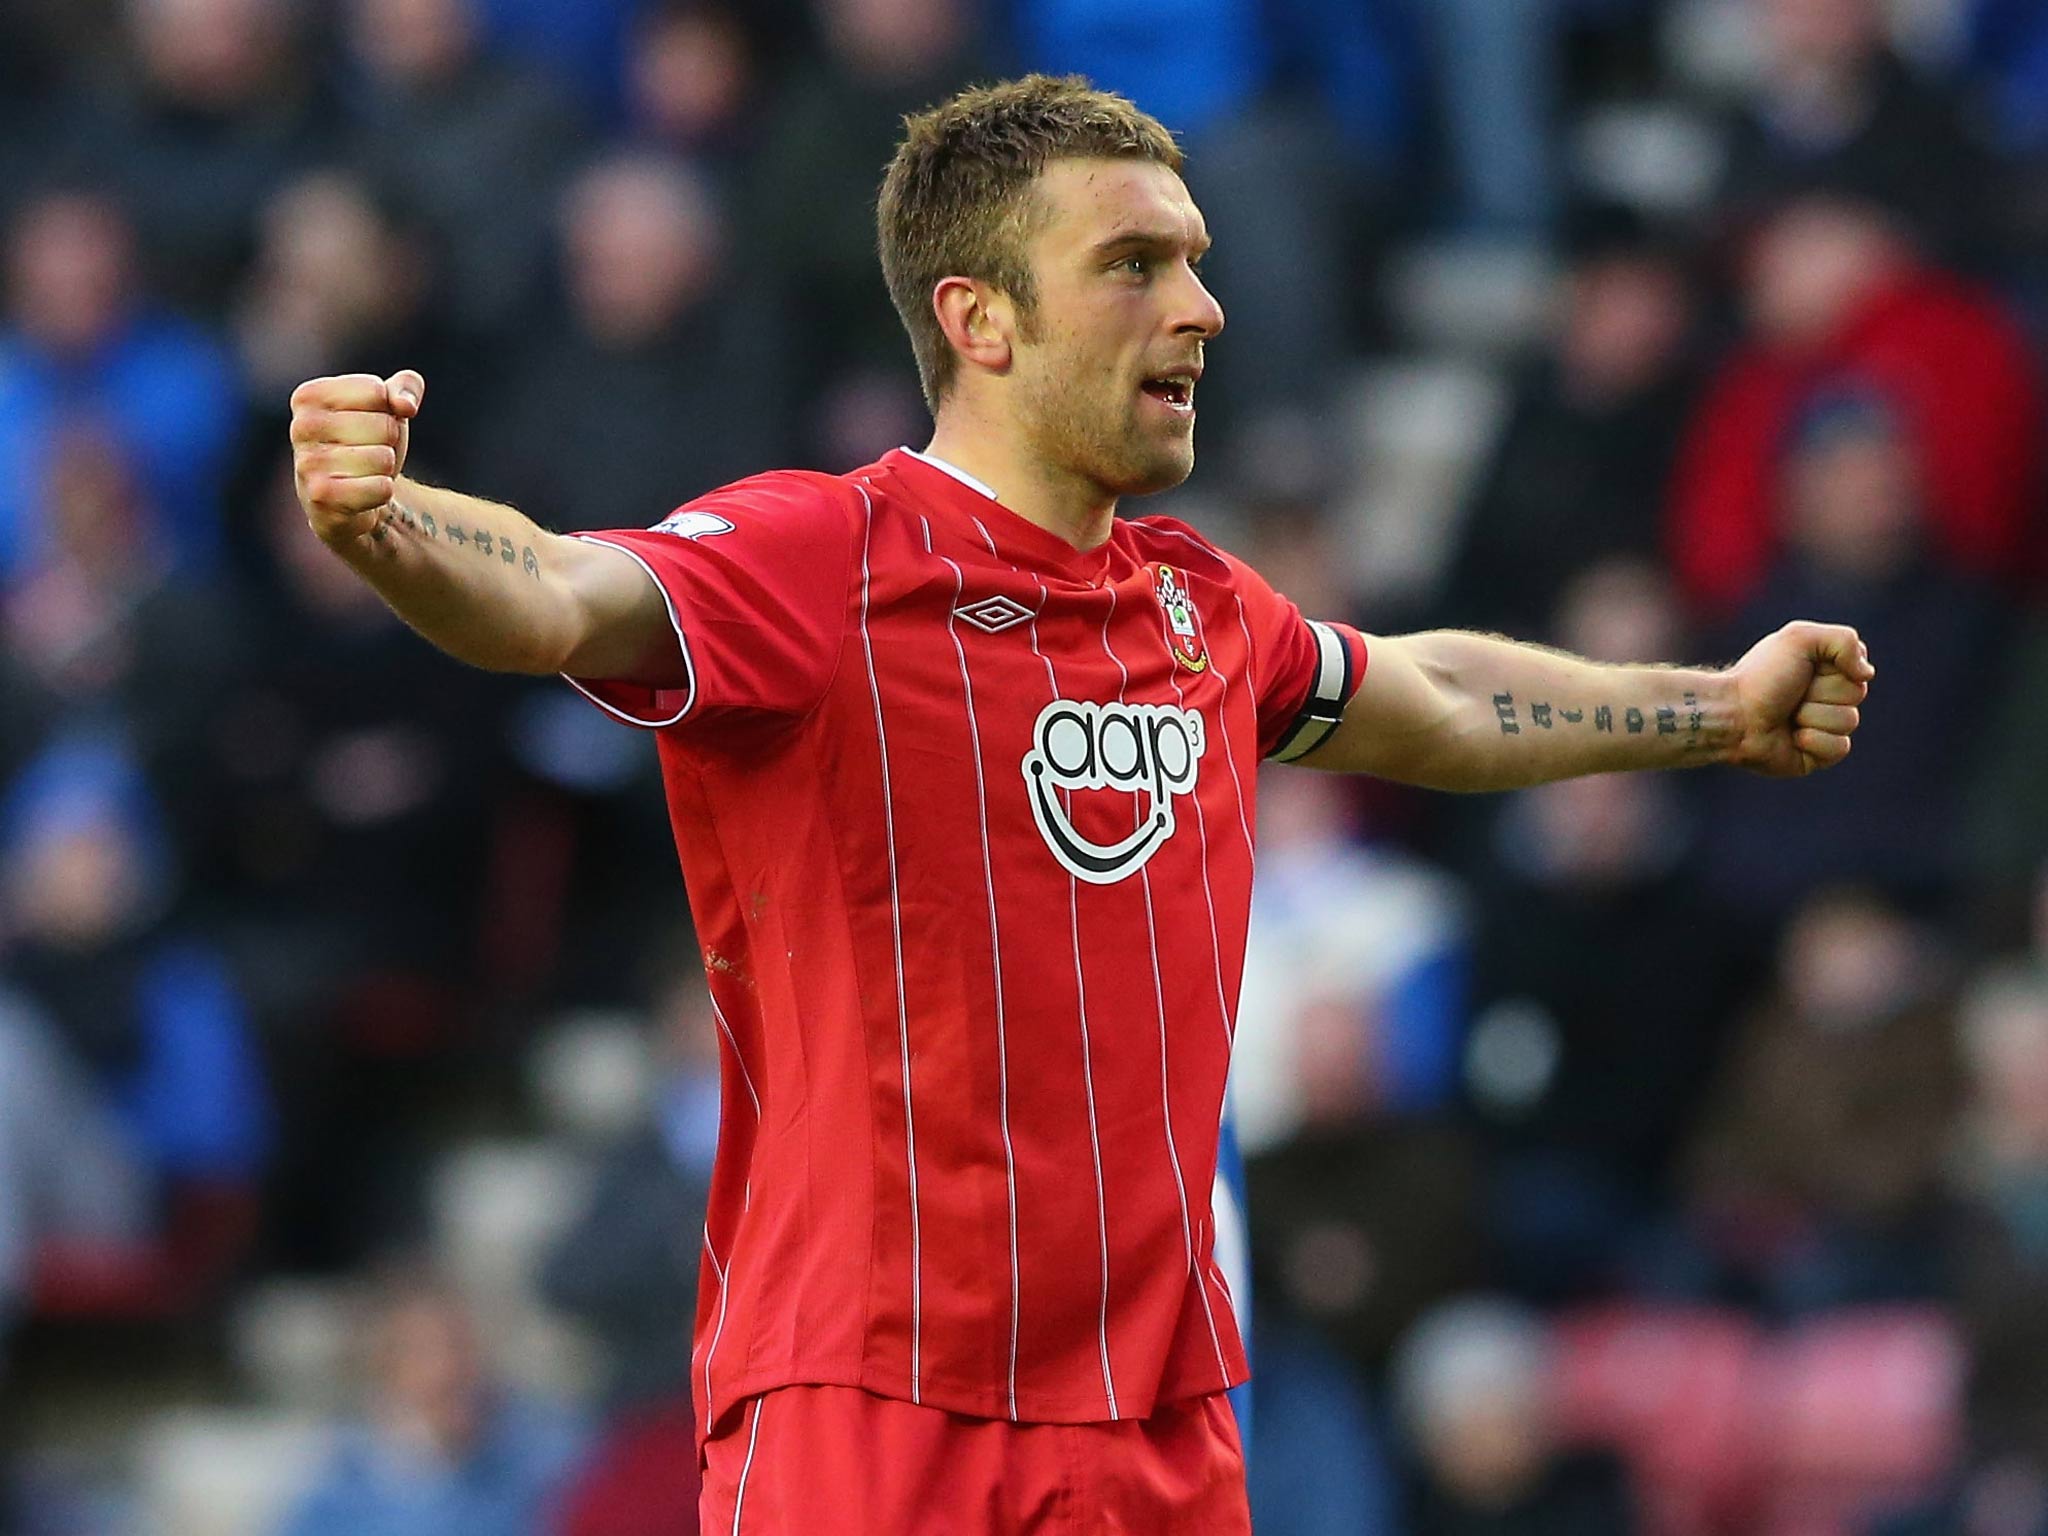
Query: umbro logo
[[993, 615]]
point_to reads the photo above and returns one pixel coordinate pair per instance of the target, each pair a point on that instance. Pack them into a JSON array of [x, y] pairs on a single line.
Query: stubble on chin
[[1153, 462], [1109, 448]]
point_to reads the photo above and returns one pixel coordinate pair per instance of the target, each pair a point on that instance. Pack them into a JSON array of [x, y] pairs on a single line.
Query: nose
[[1202, 315]]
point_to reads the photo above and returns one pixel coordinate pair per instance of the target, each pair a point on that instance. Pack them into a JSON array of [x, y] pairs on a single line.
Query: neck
[[1058, 500]]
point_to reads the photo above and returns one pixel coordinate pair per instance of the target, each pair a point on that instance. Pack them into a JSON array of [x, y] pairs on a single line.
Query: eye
[[1137, 266]]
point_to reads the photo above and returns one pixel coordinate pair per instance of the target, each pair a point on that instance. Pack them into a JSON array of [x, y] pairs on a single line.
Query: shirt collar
[[955, 471], [1018, 538]]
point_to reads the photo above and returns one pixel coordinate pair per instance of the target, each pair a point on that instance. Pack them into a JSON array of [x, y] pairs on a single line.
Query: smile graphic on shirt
[[1153, 751]]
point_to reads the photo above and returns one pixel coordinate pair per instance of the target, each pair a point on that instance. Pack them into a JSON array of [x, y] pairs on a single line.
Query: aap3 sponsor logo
[[1152, 751]]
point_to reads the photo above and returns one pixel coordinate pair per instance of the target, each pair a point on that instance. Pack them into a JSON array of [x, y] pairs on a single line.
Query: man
[[439, 1445], [960, 772]]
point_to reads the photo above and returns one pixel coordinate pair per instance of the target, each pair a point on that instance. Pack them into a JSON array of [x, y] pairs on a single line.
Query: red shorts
[[837, 1461]]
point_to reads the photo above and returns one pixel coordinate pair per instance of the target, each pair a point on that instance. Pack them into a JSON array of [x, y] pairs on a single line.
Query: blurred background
[[1661, 1155]]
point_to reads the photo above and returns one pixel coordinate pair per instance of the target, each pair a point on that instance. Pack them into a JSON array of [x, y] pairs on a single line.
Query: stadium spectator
[[441, 1446], [336, 279], [1836, 295], [695, 86], [331, 752], [660, 382], [1583, 465], [627, 1265], [1359, 1222], [1995, 1260], [84, 345], [216, 112], [338, 754], [1998, 1261], [1854, 540], [627, 1268], [97, 946], [1814, 1178], [466, 144], [1835, 109], [322, 749], [1581, 1086], [1355, 969], [810, 221], [1575, 1080], [67, 1171], [339, 281], [1620, 608], [1362, 1199], [1472, 1383], [104, 627]]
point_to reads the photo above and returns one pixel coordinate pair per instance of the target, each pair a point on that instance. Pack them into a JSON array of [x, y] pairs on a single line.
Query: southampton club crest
[[1183, 625]]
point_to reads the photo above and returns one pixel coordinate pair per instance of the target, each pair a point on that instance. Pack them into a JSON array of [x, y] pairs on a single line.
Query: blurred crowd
[[1635, 1155]]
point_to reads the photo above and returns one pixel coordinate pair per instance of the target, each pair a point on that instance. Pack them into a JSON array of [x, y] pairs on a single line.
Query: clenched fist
[[348, 446], [1799, 694]]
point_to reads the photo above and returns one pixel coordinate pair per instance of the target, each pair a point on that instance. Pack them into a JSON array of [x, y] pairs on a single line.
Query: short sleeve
[[755, 577], [1304, 670]]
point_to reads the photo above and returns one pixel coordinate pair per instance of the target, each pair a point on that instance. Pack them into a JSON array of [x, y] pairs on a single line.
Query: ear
[[979, 321]]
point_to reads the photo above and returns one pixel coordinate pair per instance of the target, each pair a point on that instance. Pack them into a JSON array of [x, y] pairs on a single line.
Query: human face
[[1826, 37], [1104, 366], [69, 266]]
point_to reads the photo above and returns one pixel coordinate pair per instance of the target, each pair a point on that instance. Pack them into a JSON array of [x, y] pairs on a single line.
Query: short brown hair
[[955, 201]]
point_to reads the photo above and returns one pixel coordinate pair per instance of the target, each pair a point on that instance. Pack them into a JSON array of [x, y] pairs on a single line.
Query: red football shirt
[[966, 820]]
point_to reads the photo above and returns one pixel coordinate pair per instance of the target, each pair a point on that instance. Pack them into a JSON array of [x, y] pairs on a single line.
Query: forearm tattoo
[[503, 548], [1685, 719]]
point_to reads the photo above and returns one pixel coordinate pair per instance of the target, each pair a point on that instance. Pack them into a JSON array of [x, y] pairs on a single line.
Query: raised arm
[[478, 579], [1458, 711]]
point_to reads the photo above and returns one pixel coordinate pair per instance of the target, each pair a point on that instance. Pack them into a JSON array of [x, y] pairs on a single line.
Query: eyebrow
[[1146, 240]]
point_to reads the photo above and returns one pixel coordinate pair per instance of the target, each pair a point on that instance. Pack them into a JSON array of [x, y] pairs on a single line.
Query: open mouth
[[1176, 390]]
